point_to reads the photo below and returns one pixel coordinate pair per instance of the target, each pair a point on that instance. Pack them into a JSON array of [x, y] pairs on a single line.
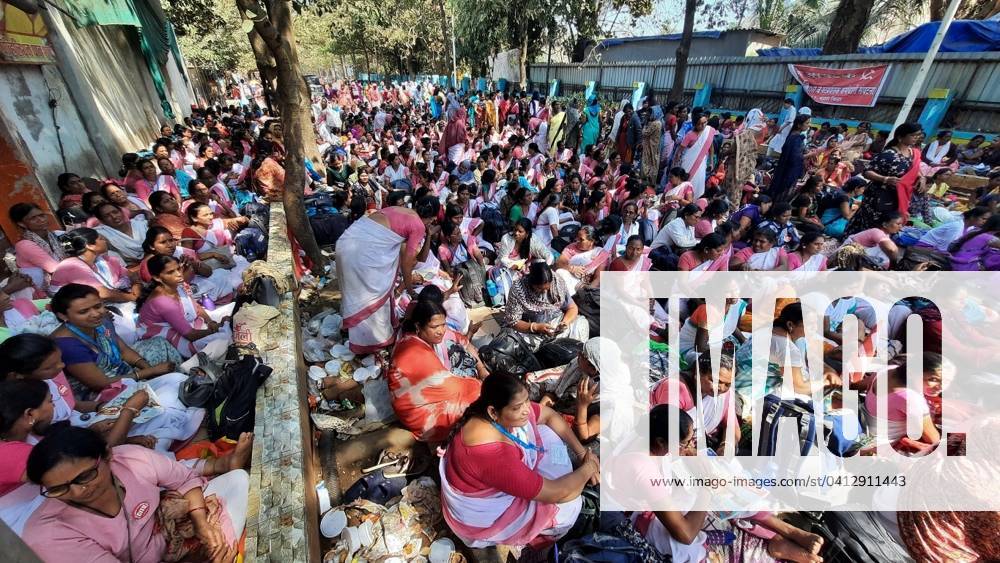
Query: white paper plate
[[316, 373], [333, 523]]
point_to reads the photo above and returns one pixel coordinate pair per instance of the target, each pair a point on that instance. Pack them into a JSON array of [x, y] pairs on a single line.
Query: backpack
[[857, 537], [509, 354], [776, 409], [600, 548], [589, 519], [588, 303], [231, 409], [251, 243], [495, 225]]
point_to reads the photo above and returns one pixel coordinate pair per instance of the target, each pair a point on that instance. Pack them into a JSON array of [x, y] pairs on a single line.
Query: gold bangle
[[135, 411]]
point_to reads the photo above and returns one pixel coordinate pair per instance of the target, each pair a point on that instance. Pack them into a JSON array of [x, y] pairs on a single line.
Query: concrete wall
[[110, 84], [24, 94], [730, 44]]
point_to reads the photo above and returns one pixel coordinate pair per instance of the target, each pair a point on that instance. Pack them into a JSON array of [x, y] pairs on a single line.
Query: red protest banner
[[842, 86]]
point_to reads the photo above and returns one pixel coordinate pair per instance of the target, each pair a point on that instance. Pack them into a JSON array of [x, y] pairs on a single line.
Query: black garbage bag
[[558, 352], [508, 353]]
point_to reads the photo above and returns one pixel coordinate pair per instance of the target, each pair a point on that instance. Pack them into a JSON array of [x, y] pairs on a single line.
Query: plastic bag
[[315, 349], [330, 327], [378, 401]]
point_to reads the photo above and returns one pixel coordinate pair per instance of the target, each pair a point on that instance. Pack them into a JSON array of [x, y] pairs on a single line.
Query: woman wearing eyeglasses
[[105, 504]]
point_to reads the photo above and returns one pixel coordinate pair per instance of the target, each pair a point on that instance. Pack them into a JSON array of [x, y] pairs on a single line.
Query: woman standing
[[791, 164], [167, 309], [39, 251], [696, 151], [369, 255], [426, 397], [893, 174], [591, 123]]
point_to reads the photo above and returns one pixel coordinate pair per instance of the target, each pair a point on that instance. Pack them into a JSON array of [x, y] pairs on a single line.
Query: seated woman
[[90, 264], [167, 310], [168, 213], [427, 398], [201, 194], [635, 258], [779, 221], [978, 249], [71, 189], [209, 237], [547, 221], [808, 257], [762, 254], [540, 308], [785, 331], [454, 251], [496, 486], [516, 250], [678, 235], [131, 206], [681, 535], [904, 403], [125, 236], [877, 242], [695, 332], [835, 172], [39, 251], [711, 254], [679, 191], [14, 313], [836, 206], [90, 488], [749, 216], [99, 364], [581, 263], [145, 180], [716, 396], [25, 412], [219, 285]]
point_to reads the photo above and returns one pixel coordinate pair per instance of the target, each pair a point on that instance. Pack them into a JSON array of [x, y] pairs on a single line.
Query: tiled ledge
[[282, 521]]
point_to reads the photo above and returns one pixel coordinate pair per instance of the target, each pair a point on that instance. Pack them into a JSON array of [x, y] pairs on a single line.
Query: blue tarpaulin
[[964, 36]]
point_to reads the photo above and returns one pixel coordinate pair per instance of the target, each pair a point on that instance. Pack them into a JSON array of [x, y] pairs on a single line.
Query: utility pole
[[925, 67]]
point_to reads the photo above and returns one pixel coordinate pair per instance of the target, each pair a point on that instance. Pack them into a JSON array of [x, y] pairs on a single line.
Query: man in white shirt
[[786, 119], [678, 235]]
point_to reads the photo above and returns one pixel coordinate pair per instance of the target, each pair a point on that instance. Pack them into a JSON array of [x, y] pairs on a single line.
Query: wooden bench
[[964, 186]]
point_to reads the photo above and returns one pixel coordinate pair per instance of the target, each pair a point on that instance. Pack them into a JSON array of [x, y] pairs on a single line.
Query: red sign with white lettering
[[842, 86]]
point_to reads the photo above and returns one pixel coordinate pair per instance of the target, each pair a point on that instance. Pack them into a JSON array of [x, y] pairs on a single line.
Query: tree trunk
[[981, 10], [266, 68], [937, 8], [681, 57], [294, 104], [523, 61], [849, 22], [445, 42]]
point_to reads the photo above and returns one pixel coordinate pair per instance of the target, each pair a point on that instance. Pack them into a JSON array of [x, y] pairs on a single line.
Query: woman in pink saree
[[581, 263], [696, 151], [711, 254]]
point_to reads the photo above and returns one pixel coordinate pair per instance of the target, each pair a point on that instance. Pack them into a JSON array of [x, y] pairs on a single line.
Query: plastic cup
[[333, 523], [441, 551]]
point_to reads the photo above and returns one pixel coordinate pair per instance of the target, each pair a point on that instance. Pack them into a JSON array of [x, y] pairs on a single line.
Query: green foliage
[[212, 38]]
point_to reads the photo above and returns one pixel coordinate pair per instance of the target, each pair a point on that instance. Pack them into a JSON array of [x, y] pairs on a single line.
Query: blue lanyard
[[517, 440]]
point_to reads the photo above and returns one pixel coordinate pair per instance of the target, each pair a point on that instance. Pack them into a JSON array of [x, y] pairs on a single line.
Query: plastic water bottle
[[207, 303], [491, 288]]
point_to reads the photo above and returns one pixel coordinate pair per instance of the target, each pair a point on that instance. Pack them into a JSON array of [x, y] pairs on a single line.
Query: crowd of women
[[462, 199], [107, 305], [450, 201]]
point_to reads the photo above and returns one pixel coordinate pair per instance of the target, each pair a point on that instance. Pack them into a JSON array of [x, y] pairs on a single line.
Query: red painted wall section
[[17, 184]]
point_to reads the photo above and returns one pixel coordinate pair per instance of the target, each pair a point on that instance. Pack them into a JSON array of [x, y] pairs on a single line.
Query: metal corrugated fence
[[744, 82]]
